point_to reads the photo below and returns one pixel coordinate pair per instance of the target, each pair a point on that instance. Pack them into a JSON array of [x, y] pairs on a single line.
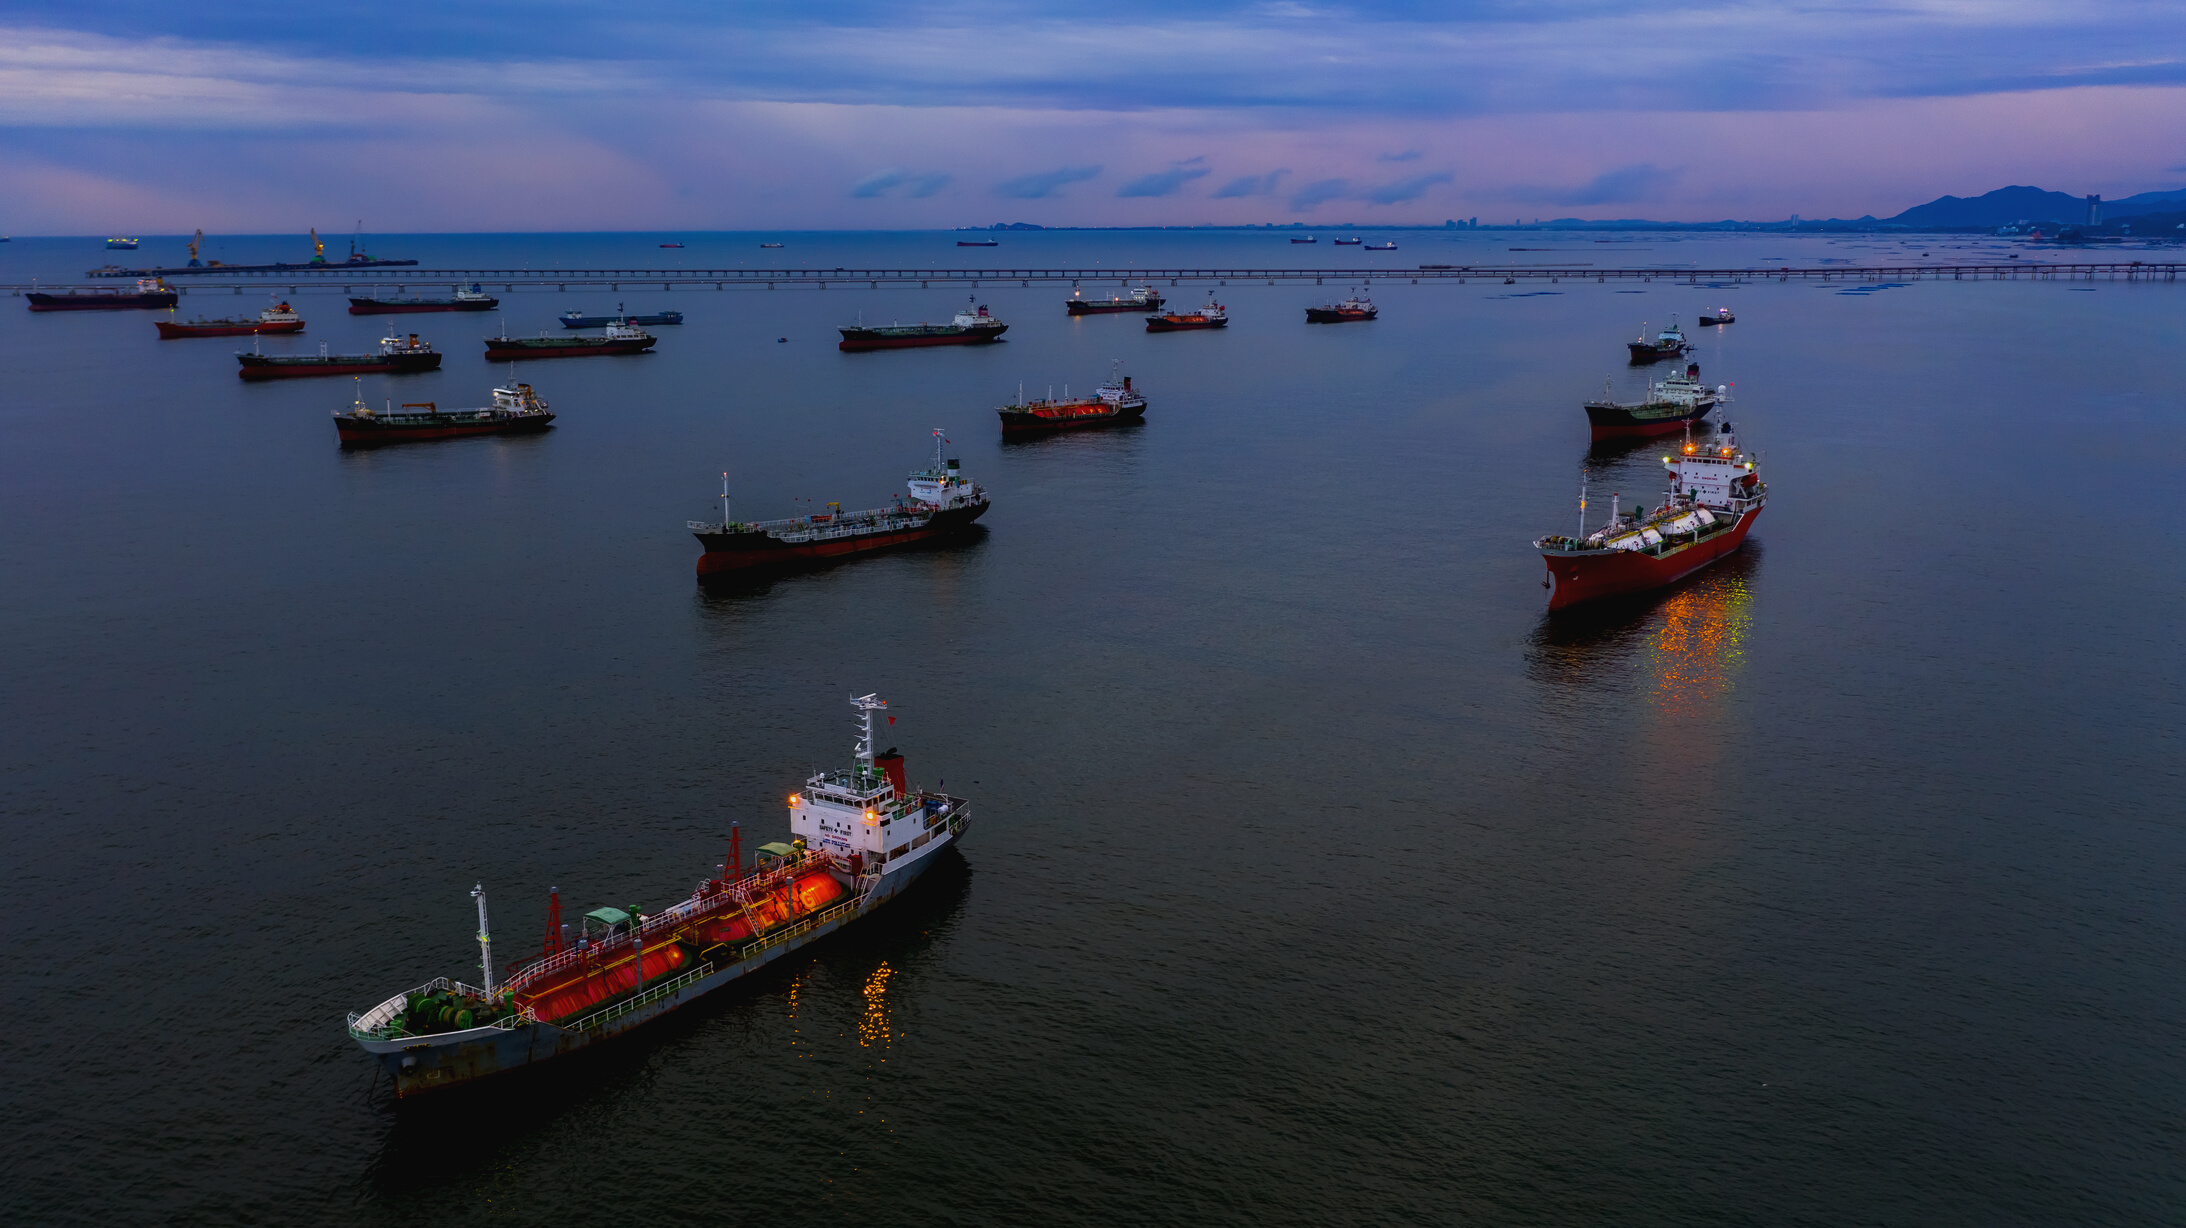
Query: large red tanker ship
[[1715, 496]]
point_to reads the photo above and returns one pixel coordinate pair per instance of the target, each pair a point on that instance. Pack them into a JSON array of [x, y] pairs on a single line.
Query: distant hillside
[[2005, 206], [1999, 208]]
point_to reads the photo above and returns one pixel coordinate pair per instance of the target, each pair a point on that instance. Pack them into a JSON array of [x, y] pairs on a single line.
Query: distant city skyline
[[257, 118]]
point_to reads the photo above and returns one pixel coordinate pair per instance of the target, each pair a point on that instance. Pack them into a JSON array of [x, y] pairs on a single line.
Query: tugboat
[[515, 409], [397, 356], [280, 318], [1722, 316], [1141, 298], [577, 319], [1714, 497], [1213, 315], [1113, 402], [943, 500], [473, 299], [150, 292], [860, 836], [1353, 308], [1671, 404], [618, 339], [1669, 343], [972, 326]]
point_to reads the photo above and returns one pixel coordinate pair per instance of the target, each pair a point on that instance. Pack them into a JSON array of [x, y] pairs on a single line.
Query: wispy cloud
[[1250, 185], [1321, 191], [1409, 155], [1045, 183], [1165, 183], [879, 183], [1622, 186]]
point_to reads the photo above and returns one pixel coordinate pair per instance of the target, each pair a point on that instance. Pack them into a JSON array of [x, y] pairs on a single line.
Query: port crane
[[196, 241]]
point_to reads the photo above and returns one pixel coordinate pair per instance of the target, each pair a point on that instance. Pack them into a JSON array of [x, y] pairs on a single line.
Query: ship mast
[[485, 938], [724, 501], [867, 705]]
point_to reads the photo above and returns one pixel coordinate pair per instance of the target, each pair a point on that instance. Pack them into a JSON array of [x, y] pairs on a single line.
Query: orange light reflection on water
[[1698, 647], [873, 1024]]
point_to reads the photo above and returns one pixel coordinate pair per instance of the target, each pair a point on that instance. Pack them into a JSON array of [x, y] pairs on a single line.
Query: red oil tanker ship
[[1213, 315], [276, 319], [1113, 402], [515, 409], [1715, 496], [861, 836], [1345, 312], [942, 501]]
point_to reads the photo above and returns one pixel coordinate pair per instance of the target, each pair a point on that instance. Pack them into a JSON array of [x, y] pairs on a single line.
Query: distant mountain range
[[2006, 206]]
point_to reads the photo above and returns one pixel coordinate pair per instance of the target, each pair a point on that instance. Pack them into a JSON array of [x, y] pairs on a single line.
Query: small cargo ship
[[280, 318], [119, 244], [1348, 242], [1352, 308], [1380, 247], [515, 409], [1714, 497], [1670, 404], [1113, 402], [618, 339], [979, 242], [1141, 298], [942, 501], [765, 245], [1722, 316], [1308, 239], [150, 292], [1213, 315], [397, 355], [671, 245], [1669, 343], [578, 319], [473, 299], [860, 836], [972, 326]]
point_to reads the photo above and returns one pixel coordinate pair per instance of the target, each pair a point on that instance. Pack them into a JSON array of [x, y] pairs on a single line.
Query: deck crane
[[196, 241], [318, 247]]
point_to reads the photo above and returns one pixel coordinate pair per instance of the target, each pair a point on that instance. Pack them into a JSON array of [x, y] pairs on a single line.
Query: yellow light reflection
[[1699, 645], [873, 1025]]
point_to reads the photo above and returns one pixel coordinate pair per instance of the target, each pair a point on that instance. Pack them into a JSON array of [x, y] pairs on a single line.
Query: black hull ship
[[516, 409], [942, 501], [396, 356]]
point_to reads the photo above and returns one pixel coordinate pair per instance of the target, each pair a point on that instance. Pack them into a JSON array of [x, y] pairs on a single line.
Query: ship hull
[[355, 432], [1592, 575], [1031, 424], [855, 339], [1642, 352], [665, 317], [1081, 307], [431, 1064], [401, 307], [101, 302], [727, 553], [169, 331], [1608, 421], [1329, 315], [257, 367], [497, 351], [1163, 324]]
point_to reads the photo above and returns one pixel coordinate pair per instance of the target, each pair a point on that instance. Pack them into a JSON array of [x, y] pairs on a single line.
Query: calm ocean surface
[[1317, 876]]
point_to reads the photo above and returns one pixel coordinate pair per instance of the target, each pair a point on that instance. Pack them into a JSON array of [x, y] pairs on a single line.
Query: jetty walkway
[[406, 280]]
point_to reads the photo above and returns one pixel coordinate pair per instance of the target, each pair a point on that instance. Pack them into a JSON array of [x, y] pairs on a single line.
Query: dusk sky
[[252, 117]]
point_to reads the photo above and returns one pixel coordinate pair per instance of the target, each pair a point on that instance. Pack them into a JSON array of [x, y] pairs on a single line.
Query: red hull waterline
[[853, 345], [721, 562], [1642, 430], [1573, 578], [169, 331], [404, 434]]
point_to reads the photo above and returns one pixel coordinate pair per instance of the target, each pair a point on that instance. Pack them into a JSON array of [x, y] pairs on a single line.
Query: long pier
[[339, 278]]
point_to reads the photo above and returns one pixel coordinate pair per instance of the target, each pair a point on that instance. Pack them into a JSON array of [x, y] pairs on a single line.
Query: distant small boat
[[671, 245], [1305, 240], [1348, 242], [121, 244], [770, 245], [979, 242], [578, 319], [1722, 316], [1381, 247]]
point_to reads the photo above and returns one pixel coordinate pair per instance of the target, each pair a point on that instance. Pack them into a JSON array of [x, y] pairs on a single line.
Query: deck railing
[[656, 993]]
